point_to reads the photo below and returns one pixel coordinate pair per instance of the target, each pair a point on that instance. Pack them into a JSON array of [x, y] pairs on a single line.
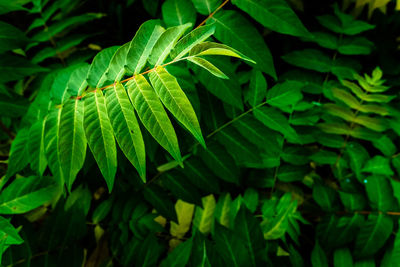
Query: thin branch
[[213, 13]]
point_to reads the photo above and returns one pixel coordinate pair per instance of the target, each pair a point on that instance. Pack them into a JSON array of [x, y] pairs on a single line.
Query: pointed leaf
[[275, 120], [19, 156], [8, 233], [233, 29], [166, 42], [206, 7], [275, 15], [26, 194], [184, 211], [72, 140], [373, 235], [99, 134], [286, 93], [318, 257], [178, 12], [342, 257], [37, 157], [198, 35], [175, 100], [309, 59], [257, 89], [126, 127], [99, 65], [216, 49], [204, 217], [208, 66], [51, 139], [153, 115], [142, 44]]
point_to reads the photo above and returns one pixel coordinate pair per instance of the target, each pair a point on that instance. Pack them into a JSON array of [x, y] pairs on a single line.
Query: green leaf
[[230, 247], [309, 59], [216, 49], [364, 96], [36, 150], [8, 234], [373, 235], [342, 257], [355, 46], [99, 66], [126, 127], [117, 66], [14, 68], [26, 194], [51, 139], [7, 6], [99, 134], [385, 145], [59, 88], [286, 93], [233, 29], [208, 66], [318, 256], [184, 212], [77, 81], [257, 133], [228, 90], [63, 24], [178, 12], [62, 46], [222, 210], [220, 162], [190, 40], [166, 43], [204, 217], [380, 193], [344, 23], [11, 37], [353, 201], [206, 7], [275, 120], [250, 199], [142, 44], [358, 156], [102, 210], [175, 100], [276, 226], [378, 165], [275, 15], [153, 115], [324, 196], [324, 39], [257, 89], [19, 156], [72, 140]]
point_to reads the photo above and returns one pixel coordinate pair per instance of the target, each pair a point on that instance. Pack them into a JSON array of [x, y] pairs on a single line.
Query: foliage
[[243, 132]]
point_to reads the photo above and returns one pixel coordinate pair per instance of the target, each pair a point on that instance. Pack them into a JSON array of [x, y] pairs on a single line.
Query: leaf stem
[[213, 13]]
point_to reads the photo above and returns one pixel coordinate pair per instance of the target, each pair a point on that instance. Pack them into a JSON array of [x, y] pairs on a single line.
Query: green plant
[[214, 149]]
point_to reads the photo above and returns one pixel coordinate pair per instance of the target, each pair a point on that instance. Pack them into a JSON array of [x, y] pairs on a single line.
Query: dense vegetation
[[199, 133]]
